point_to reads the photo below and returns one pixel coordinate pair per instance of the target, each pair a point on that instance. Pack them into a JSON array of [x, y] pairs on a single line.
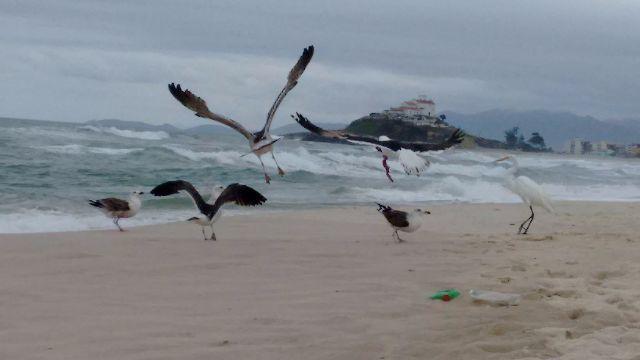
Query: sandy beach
[[329, 284]]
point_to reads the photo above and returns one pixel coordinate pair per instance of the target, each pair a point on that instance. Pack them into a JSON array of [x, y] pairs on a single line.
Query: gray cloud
[[69, 60]]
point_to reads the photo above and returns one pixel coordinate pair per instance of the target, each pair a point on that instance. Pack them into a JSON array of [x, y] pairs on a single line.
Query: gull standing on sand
[[404, 151], [529, 191], [117, 209], [240, 194], [402, 220], [260, 142]]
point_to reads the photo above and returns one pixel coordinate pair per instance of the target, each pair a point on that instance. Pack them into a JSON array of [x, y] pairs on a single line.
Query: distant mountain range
[[556, 127]]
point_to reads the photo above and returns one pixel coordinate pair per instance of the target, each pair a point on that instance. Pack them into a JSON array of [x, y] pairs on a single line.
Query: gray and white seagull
[[242, 195], [117, 209], [402, 220], [261, 141]]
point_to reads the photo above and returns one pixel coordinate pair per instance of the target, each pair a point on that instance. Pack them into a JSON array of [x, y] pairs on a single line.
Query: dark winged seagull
[[402, 220], [404, 151], [260, 142], [117, 209], [209, 213]]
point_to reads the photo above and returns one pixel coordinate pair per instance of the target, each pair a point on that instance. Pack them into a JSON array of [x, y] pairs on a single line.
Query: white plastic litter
[[495, 298]]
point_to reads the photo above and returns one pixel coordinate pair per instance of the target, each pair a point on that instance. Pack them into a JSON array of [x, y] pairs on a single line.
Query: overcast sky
[[81, 60]]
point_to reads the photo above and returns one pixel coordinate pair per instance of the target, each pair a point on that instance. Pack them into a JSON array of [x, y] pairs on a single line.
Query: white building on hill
[[419, 111], [419, 106]]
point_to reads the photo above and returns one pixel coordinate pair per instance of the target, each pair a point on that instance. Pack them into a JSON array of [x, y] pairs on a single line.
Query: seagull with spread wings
[[260, 142], [242, 195], [404, 151]]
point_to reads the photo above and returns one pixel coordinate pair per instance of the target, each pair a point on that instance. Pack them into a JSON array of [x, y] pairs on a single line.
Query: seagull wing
[[242, 195], [111, 204], [396, 218], [456, 138], [411, 162], [342, 135], [292, 81], [195, 103], [173, 187]]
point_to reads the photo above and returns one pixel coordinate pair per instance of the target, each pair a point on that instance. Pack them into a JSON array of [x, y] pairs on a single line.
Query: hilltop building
[[420, 111]]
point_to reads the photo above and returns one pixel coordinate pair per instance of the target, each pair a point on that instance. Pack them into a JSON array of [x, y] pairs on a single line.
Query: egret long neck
[[513, 169]]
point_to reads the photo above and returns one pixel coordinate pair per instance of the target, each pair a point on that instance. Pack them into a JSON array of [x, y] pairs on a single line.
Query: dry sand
[[329, 284]]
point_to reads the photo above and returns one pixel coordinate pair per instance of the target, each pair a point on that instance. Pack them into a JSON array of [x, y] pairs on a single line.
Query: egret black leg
[[530, 221], [213, 235]]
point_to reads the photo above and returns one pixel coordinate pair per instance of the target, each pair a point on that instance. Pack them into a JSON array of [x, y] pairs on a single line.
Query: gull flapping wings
[[456, 137]]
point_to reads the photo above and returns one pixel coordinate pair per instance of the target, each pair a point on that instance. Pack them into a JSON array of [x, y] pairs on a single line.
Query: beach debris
[[445, 295], [494, 297]]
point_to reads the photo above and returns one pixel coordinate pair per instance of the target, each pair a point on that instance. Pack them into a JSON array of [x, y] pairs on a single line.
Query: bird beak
[[141, 192], [427, 212], [501, 159]]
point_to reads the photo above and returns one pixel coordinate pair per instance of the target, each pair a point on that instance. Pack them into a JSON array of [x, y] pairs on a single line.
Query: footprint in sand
[[604, 275], [575, 314], [561, 274]]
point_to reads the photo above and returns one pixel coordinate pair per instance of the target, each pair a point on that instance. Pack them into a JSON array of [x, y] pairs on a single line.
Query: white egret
[[528, 190]]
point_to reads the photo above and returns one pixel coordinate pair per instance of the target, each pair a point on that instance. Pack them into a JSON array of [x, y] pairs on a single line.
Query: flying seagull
[[209, 213], [528, 190], [402, 220], [260, 142], [117, 209], [404, 151]]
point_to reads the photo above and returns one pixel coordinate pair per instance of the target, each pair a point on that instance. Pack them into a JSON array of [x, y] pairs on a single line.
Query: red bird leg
[[386, 167]]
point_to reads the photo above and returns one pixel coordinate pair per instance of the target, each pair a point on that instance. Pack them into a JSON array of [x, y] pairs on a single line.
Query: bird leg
[[203, 234], [213, 235], [398, 237], [266, 177], [115, 221], [529, 220], [386, 167], [280, 171]]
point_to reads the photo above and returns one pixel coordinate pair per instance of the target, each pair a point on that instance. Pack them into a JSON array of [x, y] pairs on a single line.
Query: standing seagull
[[117, 209], [402, 220], [260, 142], [240, 194], [529, 191], [403, 150]]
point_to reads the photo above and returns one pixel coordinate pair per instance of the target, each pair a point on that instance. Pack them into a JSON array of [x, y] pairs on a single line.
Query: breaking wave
[[142, 135], [77, 149]]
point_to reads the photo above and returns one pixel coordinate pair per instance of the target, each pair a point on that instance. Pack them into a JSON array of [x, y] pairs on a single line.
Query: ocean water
[[48, 171]]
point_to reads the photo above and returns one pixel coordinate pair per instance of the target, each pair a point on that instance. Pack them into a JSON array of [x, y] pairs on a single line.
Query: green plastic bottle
[[445, 295]]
